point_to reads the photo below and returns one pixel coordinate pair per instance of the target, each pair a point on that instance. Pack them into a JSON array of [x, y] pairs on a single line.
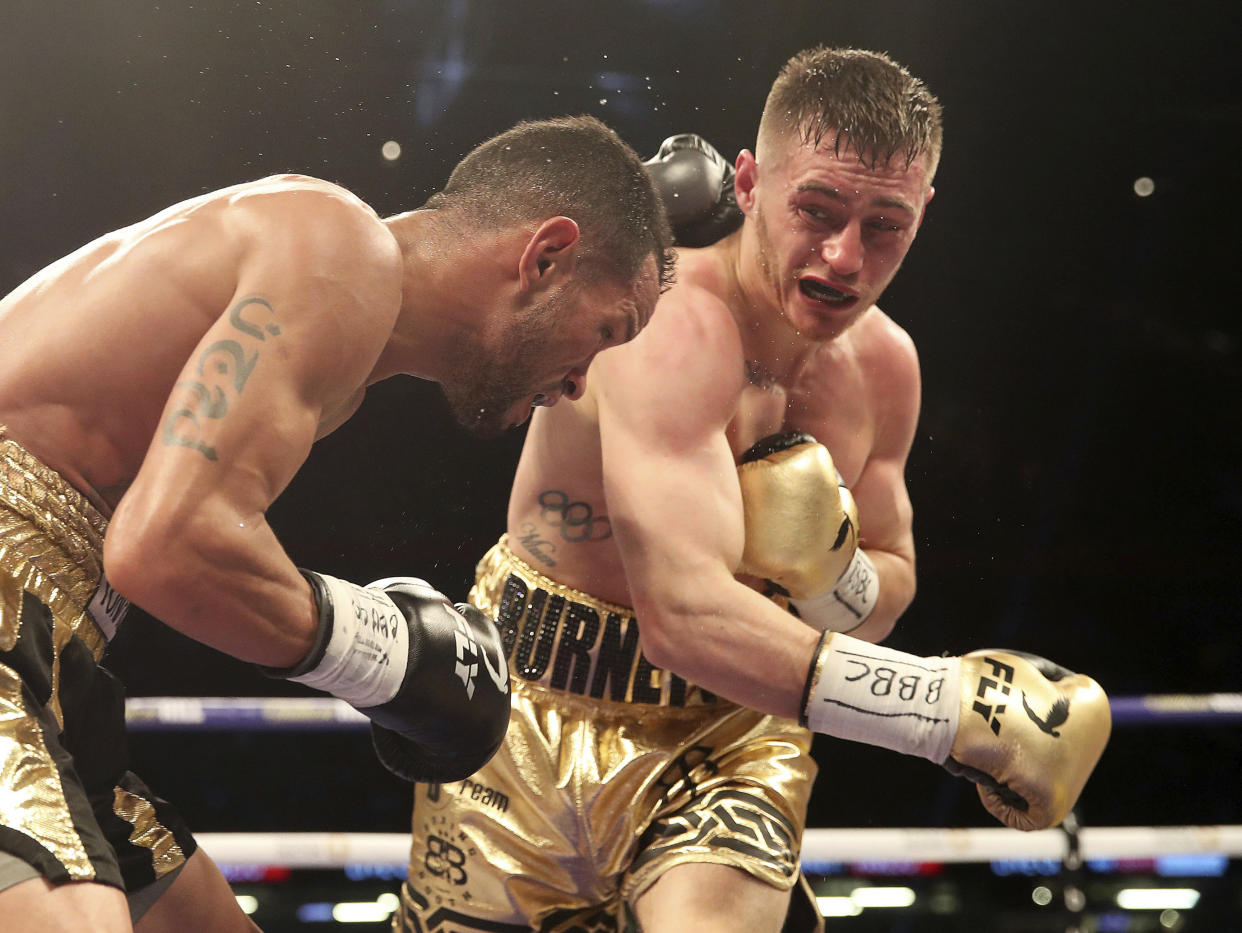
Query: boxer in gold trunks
[[159, 388], [683, 557]]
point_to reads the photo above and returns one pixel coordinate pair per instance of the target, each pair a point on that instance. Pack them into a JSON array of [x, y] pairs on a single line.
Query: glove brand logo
[[1057, 716], [467, 655], [991, 710], [844, 534]]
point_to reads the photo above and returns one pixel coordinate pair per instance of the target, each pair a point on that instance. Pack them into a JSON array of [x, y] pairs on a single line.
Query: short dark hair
[[575, 167], [869, 101]]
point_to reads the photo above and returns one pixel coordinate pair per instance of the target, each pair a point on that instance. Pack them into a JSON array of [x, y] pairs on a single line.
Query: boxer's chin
[[484, 423], [487, 418]]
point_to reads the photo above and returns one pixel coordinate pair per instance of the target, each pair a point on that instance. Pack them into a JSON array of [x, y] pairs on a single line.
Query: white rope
[[310, 713], [992, 844], [334, 850]]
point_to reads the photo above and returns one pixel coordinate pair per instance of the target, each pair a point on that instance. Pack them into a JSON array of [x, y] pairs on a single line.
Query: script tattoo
[[576, 520], [539, 547], [223, 368]]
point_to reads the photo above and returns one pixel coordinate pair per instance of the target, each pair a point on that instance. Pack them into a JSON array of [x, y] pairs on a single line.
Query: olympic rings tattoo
[[576, 520]]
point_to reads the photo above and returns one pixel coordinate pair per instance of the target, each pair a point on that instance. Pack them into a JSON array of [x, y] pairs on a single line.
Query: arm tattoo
[[537, 545], [576, 520], [224, 367]]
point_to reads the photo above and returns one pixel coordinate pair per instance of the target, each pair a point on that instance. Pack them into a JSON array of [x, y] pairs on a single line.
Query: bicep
[[676, 512], [884, 508], [305, 324], [669, 476], [885, 512], [237, 414]]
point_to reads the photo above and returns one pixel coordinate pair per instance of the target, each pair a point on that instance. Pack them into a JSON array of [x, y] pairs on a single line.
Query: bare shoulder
[[693, 318], [314, 220], [686, 366], [692, 333], [887, 354], [886, 349]]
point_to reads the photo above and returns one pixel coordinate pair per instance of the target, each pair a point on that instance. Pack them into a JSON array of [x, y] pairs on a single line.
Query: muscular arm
[[884, 508], [673, 497], [317, 290]]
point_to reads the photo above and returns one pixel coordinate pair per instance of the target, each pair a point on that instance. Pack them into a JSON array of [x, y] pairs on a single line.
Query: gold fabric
[[148, 833], [51, 547], [591, 800], [32, 799]]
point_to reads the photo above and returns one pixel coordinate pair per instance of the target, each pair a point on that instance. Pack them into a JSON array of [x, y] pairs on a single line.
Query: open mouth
[[825, 294]]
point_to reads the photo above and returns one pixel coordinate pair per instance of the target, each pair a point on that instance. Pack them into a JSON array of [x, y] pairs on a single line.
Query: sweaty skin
[[631, 493], [178, 371]]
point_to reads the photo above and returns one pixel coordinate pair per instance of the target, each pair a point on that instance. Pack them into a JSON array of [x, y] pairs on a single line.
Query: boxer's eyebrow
[[883, 200]]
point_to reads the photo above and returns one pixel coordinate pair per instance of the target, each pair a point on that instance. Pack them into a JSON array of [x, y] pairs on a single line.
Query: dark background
[[1075, 473]]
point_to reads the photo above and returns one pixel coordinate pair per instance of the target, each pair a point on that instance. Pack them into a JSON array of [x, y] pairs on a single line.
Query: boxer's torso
[[558, 518], [94, 343]]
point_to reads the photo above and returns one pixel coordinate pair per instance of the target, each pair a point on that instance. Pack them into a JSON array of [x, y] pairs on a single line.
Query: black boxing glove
[[696, 185], [431, 677]]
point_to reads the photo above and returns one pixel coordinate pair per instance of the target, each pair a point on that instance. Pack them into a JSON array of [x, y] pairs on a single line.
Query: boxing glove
[[431, 676], [696, 185], [802, 531], [1015, 738], [1028, 732]]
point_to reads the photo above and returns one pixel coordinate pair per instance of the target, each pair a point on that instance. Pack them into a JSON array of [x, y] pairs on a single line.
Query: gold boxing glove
[[1027, 731], [1029, 734], [801, 522]]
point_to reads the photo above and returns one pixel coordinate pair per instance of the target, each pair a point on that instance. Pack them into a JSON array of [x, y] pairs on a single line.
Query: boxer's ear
[[549, 255], [931, 193], [746, 174]]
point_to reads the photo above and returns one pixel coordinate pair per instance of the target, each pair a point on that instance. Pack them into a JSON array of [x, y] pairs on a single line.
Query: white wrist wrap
[[847, 605], [867, 693], [369, 648]]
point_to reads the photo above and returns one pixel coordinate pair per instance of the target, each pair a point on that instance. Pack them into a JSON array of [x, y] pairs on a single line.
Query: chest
[[835, 404]]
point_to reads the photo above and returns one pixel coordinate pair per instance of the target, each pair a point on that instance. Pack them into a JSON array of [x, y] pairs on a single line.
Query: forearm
[[731, 641], [896, 592], [217, 576]]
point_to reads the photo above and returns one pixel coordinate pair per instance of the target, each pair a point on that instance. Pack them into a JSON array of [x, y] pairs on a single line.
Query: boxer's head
[[847, 147], [595, 252], [851, 100]]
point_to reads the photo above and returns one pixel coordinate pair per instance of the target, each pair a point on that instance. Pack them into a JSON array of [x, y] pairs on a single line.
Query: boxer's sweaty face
[[833, 232], [544, 357]]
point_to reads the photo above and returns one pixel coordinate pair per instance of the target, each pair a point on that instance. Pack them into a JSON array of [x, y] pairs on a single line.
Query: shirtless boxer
[[174, 375], [666, 782]]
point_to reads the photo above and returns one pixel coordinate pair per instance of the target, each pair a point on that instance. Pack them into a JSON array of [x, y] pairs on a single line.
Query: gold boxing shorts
[[70, 810], [613, 771]]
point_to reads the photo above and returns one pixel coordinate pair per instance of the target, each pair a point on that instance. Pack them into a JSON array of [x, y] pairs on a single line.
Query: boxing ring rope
[[156, 714], [820, 846]]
